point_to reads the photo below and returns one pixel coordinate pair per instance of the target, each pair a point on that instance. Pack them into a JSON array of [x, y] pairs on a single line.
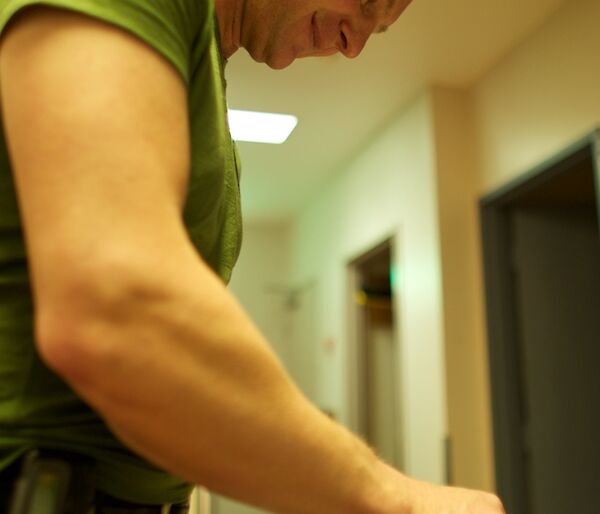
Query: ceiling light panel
[[261, 127]]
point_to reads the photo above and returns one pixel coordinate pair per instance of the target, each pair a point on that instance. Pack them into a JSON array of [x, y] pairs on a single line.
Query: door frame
[[354, 327], [502, 317]]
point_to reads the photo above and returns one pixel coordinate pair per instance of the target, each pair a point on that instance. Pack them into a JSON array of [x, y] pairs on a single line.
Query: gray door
[[557, 276]]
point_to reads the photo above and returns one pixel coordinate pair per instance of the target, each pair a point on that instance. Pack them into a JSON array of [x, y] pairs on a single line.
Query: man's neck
[[229, 14]]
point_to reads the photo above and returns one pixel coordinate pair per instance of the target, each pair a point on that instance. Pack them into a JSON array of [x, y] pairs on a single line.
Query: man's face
[[279, 31]]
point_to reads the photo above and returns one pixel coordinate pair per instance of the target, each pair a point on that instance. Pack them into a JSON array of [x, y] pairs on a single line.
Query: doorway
[[541, 240], [374, 352]]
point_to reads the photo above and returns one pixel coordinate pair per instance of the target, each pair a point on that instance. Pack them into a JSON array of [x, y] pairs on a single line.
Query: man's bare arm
[[128, 313]]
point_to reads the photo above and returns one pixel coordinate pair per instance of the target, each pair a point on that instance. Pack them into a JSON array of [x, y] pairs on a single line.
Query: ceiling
[[341, 103]]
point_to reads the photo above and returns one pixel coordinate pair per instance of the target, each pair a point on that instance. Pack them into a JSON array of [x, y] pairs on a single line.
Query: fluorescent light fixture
[[261, 127]]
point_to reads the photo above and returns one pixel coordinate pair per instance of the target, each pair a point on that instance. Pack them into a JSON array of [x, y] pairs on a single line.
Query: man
[[120, 212]]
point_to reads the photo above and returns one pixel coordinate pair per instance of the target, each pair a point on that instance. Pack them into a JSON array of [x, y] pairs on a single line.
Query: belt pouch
[[53, 483]]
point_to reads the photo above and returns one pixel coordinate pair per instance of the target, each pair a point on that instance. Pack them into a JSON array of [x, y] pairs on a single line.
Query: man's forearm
[[181, 375]]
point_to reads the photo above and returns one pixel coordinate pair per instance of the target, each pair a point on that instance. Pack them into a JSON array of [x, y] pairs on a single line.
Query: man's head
[[279, 31]]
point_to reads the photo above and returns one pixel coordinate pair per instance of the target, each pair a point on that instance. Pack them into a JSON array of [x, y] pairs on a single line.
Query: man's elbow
[[78, 325], [73, 345]]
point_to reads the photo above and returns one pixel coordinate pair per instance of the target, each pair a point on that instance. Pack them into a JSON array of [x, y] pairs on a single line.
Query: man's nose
[[352, 40]]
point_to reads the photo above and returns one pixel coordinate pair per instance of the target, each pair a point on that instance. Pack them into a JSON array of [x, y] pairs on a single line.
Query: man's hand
[[433, 499], [404, 495]]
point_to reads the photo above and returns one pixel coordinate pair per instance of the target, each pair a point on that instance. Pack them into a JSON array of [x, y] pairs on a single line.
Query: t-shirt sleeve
[[169, 26]]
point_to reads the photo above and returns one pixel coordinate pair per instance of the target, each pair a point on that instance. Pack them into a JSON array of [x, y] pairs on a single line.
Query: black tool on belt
[[59, 483], [53, 483]]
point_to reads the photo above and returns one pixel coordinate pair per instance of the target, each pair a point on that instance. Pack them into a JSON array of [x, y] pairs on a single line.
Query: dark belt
[[64, 484]]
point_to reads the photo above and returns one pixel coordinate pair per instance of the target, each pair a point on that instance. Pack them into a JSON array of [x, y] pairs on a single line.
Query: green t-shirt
[[36, 408]]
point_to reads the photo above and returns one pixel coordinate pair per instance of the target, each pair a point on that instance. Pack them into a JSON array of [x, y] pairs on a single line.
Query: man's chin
[[278, 65], [274, 60], [279, 61]]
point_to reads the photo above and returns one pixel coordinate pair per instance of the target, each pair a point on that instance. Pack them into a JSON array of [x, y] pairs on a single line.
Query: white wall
[[261, 281], [542, 96], [468, 390], [389, 189]]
